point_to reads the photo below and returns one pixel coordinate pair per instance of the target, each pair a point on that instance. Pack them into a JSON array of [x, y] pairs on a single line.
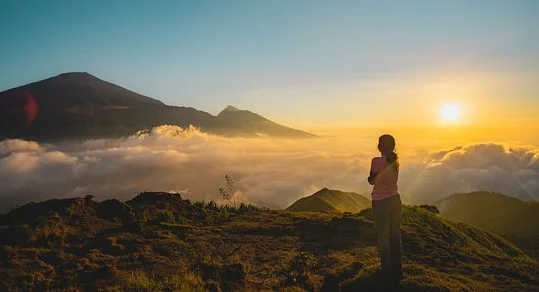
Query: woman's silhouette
[[387, 207]]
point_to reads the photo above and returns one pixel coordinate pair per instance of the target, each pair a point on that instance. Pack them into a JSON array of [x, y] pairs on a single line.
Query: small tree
[[229, 192]]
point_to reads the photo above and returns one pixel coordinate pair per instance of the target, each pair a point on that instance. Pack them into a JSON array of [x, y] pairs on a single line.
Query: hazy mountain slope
[[241, 122], [159, 242], [492, 211], [331, 200], [79, 105]]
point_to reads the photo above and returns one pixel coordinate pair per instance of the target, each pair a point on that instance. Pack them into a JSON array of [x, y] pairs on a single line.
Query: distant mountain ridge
[[331, 200], [79, 105], [238, 121]]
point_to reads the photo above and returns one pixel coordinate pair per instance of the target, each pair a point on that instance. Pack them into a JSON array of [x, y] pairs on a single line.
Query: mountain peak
[[75, 74], [68, 76], [229, 109]]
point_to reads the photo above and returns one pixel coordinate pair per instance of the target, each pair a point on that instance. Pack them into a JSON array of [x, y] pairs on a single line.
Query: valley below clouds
[[267, 171]]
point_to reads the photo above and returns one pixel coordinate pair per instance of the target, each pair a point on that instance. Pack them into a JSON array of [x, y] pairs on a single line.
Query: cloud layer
[[479, 167], [267, 171], [270, 172]]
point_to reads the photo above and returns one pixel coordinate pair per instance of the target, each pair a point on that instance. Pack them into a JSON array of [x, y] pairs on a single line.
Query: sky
[[308, 64], [454, 81]]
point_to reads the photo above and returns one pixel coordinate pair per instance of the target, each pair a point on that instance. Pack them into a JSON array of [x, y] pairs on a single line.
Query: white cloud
[[273, 172], [489, 167]]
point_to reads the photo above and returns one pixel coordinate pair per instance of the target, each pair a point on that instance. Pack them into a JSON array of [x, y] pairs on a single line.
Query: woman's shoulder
[[377, 162], [376, 159]]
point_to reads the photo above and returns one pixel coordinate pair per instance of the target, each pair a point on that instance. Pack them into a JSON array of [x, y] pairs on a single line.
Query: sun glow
[[450, 112]]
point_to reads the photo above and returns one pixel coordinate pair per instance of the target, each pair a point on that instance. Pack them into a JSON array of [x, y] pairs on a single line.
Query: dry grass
[[250, 249]]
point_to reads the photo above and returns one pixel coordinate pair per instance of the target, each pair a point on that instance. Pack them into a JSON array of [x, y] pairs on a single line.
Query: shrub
[[184, 283], [298, 272], [229, 192], [166, 216], [430, 208], [139, 281]]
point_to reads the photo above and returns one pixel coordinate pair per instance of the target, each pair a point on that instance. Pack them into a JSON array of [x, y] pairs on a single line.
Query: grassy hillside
[[331, 200], [492, 211], [160, 242], [514, 219]]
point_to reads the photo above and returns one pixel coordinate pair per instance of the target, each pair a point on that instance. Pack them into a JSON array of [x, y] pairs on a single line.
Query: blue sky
[[298, 62]]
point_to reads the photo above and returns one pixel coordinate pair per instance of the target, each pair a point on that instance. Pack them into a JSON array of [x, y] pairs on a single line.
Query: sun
[[450, 112]]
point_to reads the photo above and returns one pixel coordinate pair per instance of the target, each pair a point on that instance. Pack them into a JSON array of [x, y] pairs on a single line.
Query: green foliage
[[215, 213], [188, 282], [299, 271], [430, 208], [166, 216], [49, 229], [138, 280]]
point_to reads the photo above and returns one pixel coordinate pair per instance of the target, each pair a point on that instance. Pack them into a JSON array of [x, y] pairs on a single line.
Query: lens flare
[[31, 107]]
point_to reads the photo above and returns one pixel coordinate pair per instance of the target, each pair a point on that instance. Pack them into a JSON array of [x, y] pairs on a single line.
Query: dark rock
[[15, 235], [28, 213], [152, 198], [234, 277], [134, 226], [351, 270], [113, 208], [377, 281], [90, 275], [212, 286], [209, 271], [331, 283]]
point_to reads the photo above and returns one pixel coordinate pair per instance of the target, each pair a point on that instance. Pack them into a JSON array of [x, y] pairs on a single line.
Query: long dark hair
[[386, 145]]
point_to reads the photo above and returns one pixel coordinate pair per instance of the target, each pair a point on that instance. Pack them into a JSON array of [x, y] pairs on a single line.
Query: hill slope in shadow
[[161, 242], [492, 211], [512, 218]]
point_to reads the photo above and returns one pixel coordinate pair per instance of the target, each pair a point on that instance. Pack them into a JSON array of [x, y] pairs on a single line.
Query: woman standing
[[387, 207]]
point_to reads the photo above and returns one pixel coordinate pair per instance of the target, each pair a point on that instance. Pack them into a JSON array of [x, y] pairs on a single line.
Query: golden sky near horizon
[[433, 137], [483, 102]]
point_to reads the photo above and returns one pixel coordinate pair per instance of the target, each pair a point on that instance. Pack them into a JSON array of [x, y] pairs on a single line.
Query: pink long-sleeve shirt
[[385, 183]]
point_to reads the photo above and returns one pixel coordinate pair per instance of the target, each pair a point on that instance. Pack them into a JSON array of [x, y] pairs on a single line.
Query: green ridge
[[492, 211], [331, 200]]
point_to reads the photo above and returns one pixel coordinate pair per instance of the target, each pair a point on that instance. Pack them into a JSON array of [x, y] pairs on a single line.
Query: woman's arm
[[372, 176]]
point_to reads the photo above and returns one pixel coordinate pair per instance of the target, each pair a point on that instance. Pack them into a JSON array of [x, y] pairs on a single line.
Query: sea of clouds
[[266, 171]]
